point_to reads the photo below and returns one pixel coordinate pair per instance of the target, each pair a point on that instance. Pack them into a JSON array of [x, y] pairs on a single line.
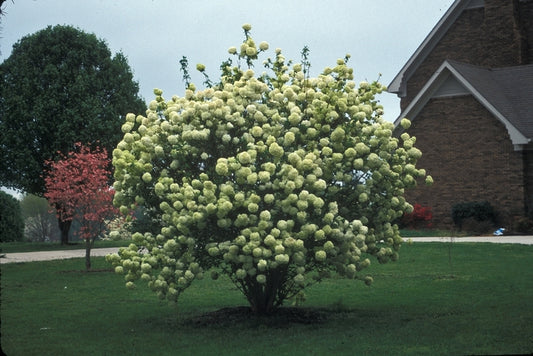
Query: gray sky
[[380, 35]]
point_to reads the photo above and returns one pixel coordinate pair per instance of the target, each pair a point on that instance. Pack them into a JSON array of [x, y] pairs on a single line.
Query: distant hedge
[[11, 221]]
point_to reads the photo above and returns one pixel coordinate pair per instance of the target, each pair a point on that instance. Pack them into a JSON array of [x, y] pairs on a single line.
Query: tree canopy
[[59, 86], [11, 221], [40, 224], [275, 179]]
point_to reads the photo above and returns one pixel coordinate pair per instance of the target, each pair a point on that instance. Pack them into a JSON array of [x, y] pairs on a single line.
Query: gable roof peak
[[398, 84]]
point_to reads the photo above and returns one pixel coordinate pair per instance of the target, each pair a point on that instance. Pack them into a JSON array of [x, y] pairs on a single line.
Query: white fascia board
[[423, 96]]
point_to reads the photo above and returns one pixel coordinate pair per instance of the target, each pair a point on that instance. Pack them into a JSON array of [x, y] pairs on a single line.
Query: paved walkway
[[58, 255], [53, 255], [525, 240]]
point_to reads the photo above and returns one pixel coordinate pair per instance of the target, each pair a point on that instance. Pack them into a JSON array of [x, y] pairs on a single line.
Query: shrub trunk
[[265, 298]]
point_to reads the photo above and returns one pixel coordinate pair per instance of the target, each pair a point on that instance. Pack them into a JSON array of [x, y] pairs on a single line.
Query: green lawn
[[440, 298]]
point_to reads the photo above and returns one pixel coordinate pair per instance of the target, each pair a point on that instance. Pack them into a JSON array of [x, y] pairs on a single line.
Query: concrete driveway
[[58, 255]]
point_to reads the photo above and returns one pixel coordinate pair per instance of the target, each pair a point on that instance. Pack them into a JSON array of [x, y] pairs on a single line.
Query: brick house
[[468, 91]]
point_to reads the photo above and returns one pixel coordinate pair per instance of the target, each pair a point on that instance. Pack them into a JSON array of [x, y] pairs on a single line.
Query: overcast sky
[[380, 35]]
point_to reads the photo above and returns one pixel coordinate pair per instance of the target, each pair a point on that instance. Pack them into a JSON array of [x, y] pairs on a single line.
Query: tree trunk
[[88, 246], [64, 227]]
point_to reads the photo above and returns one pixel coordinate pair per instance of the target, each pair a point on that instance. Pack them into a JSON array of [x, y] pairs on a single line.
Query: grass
[[24, 246], [482, 303]]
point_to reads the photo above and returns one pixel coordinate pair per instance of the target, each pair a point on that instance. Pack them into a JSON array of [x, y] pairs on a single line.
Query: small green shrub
[[476, 211], [11, 222], [475, 227]]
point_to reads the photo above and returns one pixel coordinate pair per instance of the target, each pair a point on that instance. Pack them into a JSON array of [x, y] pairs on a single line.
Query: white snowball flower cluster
[[276, 180]]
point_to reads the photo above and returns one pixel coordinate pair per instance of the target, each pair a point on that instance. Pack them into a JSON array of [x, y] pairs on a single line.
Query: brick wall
[[470, 156], [526, 22], [501, 45], [493, 36], [528, 180]]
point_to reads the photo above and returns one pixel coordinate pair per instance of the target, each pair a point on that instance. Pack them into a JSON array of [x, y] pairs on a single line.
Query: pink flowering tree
[[77, 186]]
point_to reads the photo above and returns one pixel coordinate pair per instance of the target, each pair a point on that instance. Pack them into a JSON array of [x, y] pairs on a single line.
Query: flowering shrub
[[420, 217], [274, 179], [77, 186]]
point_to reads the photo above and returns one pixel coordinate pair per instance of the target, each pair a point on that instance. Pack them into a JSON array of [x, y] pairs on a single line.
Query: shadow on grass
[[282, 318]]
